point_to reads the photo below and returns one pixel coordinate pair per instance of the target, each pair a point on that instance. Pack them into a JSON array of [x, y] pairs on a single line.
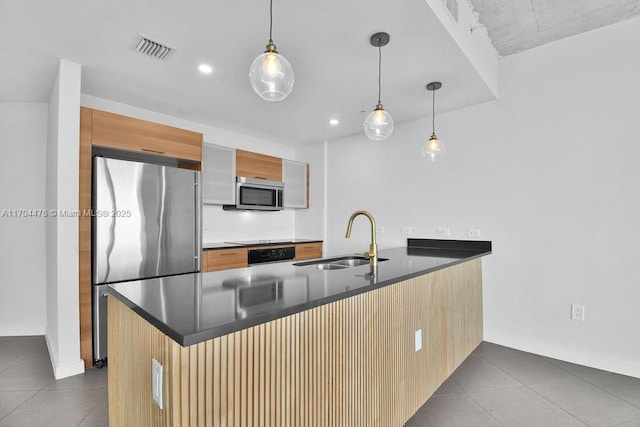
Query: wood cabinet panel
[[308, 251], [256, 165], [301, 369], [224, 259], [84, 238], [126, 133]]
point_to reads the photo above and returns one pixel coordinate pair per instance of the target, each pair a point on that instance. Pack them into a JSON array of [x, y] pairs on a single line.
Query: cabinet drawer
[[308, 251], [224, 259], [126, 133]]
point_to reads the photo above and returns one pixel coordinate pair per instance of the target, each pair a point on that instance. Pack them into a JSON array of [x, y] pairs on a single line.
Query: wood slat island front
[[351, 362]]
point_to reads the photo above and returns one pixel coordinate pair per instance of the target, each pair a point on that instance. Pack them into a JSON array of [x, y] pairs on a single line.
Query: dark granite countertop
[[255, 243], [192, 308]]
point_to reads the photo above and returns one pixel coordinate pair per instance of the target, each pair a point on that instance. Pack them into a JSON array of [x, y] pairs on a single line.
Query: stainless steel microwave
[[257, 194]]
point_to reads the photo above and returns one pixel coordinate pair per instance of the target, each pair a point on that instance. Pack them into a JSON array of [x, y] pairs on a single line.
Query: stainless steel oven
[[258, 255]]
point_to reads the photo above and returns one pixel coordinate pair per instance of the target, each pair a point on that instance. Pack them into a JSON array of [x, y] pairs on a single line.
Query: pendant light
[[379, 124], [271, 75], [434, 148]]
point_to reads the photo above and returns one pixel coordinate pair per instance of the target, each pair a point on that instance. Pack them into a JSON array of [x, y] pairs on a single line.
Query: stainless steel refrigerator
[[146, 223]]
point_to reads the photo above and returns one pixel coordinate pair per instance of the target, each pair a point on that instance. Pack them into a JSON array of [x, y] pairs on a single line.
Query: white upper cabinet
[[218, 176], [294, 175]]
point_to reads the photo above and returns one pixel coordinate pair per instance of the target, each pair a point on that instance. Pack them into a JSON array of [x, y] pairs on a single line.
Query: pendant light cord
[[379, 70], [433, 113], [270, 21]]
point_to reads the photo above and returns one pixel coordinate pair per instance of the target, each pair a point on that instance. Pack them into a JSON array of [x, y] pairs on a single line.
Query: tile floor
[[499, 386], [495, 386]]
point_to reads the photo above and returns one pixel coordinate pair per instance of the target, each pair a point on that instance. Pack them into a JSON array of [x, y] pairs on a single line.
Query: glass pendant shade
[[433, 149], [378, 125], [271, 75]]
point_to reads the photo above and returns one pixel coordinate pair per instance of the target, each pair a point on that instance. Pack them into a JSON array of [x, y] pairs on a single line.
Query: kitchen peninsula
[[287, 344]]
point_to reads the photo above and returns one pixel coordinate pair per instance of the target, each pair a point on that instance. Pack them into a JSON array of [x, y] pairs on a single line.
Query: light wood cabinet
[[224, 259], [294, 176], [218, 175], [126, 133], [260, 166], [308, 251]]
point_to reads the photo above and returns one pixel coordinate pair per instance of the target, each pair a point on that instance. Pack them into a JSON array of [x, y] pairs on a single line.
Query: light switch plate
[[473, 232], [406, 230], [577, 312], [418, 339], [443, 232], [156, 381]]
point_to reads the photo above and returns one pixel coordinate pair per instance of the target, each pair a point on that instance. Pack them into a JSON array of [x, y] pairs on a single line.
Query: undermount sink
[[337, 263], [329, 266]]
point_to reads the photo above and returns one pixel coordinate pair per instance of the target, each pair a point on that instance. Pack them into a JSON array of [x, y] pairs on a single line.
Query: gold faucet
[[372, 255]]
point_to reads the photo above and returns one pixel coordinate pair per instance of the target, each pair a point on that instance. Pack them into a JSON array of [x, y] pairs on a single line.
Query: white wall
[[549, 173], [230, 226], [23, 144], [219, 225], [62, 331]]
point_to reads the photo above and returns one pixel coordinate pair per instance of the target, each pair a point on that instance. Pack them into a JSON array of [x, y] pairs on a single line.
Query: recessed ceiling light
[[334, 122], [205, 68]]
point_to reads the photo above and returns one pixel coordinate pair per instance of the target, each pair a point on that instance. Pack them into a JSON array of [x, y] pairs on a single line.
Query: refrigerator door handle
[[198, 222]]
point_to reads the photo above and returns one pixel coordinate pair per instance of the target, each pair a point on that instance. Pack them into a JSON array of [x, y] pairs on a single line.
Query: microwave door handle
[[280, 197]]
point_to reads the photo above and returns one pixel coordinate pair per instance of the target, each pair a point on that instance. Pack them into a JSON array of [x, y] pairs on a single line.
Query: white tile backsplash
[[219, 225]]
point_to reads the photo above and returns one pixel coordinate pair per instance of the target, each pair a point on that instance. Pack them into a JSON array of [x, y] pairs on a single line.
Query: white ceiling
[[327, 43], [518, 25]]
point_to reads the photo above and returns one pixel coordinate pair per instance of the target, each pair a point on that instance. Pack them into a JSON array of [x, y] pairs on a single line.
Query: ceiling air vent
[[150, 47], [452, 7]]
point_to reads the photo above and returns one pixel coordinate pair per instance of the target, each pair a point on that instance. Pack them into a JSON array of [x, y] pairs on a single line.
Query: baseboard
[[21, 330], [618, 366], [65, 370]]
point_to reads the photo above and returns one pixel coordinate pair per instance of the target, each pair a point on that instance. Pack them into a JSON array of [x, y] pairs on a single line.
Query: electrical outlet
[[473, 232], [156, 382], [406, 230], [418, 339], [442, 232], [380, 229], [577, 312]]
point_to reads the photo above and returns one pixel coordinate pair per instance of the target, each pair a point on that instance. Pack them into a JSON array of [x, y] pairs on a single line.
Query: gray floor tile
[[4, 365], [91, 379], [10, 400], [28, 374], [626, 388], [522, 407], [525, 367], [634, 423], [99, 417], [448, 387], [589, 404], [577, 370], [54, 408], [487, 347], [452, 410], [15, 349], [477, 374]]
